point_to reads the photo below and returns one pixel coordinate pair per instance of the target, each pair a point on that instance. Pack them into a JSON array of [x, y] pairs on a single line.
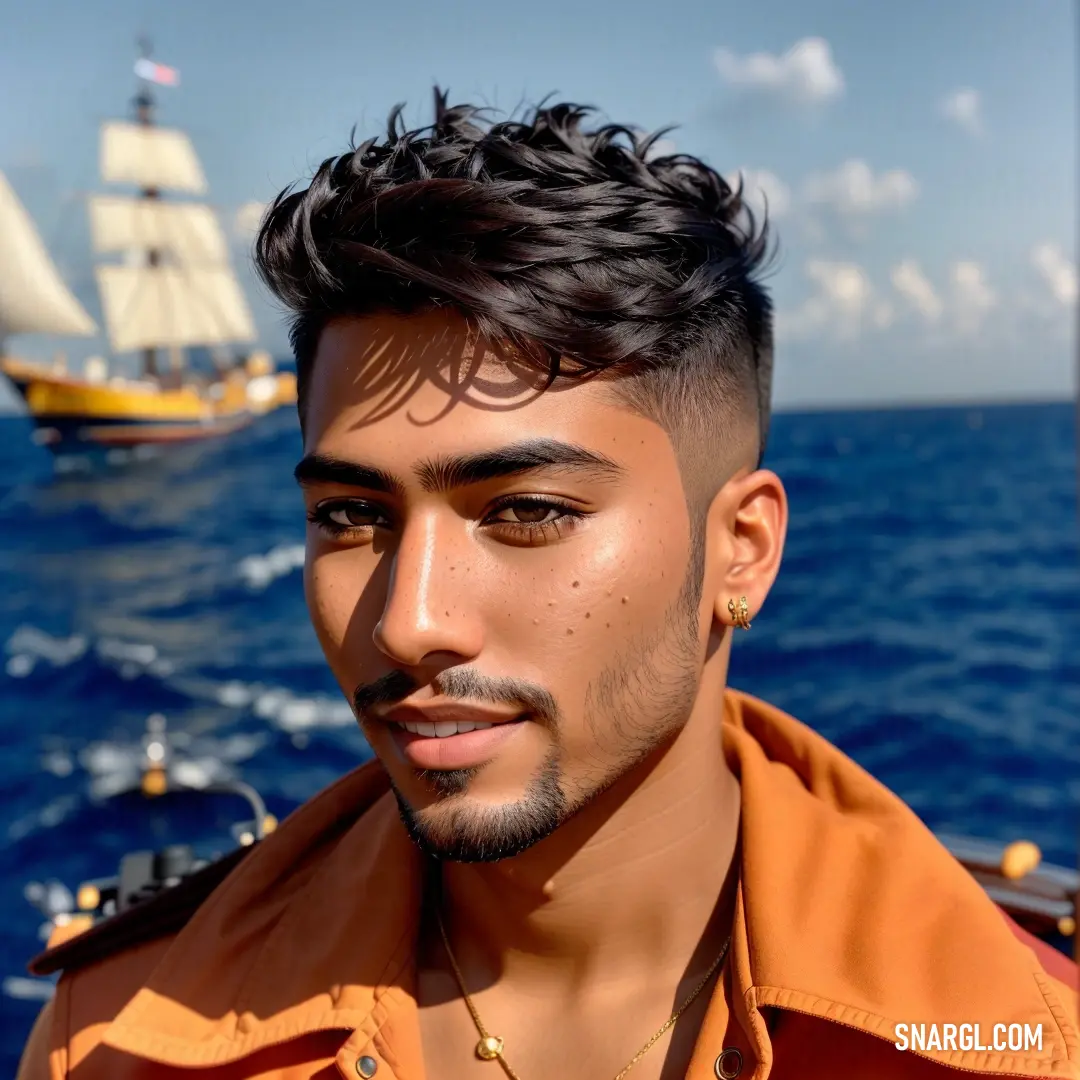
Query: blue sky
[[920, 157]]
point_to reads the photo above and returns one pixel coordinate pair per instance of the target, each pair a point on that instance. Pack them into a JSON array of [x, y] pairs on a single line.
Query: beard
[[474, 834], [632, 708]]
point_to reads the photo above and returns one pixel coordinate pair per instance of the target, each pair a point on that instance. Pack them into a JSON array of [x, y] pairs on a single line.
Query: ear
[[747, 524]]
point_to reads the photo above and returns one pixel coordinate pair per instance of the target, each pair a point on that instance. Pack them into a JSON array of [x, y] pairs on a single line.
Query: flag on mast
[[156, 73]]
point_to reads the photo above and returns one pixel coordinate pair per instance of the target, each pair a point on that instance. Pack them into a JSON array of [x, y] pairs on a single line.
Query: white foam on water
[[48, 817], [50, 897], [72, 463], [234, 695], [240, 747], [292, 713], [199, 773], [106, 757], [268, 705], [260, 570], [298, 715], [132, 658], [202, 760], [110, 649], [284, 709], [20, 665], [24, 989], [29, 645], [113, 767], [58, 762]]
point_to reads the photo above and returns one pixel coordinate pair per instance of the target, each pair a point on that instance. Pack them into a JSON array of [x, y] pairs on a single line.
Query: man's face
[[503, 580]]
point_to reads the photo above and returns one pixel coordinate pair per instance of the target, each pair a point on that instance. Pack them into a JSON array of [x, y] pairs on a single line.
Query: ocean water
[[925, 620]]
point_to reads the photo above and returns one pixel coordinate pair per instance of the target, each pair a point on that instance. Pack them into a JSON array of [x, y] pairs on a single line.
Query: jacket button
[[728, 1064], [366, 1067]]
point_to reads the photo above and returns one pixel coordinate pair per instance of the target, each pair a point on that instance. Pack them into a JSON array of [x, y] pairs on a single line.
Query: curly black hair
[[585, 250]]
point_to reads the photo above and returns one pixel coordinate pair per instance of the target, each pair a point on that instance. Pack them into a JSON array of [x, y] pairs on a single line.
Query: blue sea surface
[[925, 620]]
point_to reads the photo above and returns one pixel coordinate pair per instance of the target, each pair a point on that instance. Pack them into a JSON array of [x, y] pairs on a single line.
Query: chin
[[458, 828]]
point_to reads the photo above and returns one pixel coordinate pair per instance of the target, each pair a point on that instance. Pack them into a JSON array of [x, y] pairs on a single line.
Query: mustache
[[460, 684]]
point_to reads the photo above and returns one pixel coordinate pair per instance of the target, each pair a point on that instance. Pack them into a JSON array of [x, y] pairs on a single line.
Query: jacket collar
[[852, 911], [848, 910]]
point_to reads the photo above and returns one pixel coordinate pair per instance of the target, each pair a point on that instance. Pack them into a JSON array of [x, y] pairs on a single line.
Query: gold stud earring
[[740, 616]]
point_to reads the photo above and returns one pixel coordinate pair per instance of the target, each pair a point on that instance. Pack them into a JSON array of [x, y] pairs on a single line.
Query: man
[[534, 369]]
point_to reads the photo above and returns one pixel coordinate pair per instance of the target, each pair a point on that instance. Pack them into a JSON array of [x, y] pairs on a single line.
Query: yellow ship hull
[[72, 413]]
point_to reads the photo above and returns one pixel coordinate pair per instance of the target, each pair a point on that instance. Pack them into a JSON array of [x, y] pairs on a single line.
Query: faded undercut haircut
[[584, 249]]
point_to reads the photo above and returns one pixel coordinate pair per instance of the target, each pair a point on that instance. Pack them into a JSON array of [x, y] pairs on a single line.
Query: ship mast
[[144, 116], [175, 287]]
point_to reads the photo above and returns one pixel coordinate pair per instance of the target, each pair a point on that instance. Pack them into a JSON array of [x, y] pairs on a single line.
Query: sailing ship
[[172, 289]]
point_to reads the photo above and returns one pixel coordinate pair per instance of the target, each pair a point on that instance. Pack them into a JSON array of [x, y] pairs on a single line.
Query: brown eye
[[525, 514], [354, 517], [532, 521]]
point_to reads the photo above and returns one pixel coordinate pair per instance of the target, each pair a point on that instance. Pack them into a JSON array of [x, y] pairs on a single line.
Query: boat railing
[[1041, 897]]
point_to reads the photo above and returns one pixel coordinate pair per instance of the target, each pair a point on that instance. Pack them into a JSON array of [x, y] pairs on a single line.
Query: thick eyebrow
[[325, 469], [528, 455], [445, 473]]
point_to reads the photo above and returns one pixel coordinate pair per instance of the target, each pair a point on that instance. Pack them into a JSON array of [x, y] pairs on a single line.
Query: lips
[[427, 719], [450, 736]]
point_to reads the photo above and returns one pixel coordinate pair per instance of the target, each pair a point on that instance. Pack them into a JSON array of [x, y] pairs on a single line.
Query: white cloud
[[247, 219], [964, 108], [763, 189], [963, 305], [852, 190], [910, 282], [806, 72], [1057, 271], [852, 193], [844, 305], [971, 299], [962, 336]]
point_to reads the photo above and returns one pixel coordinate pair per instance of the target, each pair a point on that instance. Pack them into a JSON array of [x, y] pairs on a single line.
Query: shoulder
[[87, 1000]]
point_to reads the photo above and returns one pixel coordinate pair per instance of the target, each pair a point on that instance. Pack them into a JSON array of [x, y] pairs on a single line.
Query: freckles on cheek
[[599, 586], [637, 574]]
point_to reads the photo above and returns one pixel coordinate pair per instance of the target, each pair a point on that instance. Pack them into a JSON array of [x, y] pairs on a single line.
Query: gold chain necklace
[[490, 1047]]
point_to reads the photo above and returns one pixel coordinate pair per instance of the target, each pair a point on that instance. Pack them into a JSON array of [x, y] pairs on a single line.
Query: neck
[[640, 879]]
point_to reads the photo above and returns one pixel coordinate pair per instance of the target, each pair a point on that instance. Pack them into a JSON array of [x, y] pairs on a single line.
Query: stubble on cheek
[[645, 692]]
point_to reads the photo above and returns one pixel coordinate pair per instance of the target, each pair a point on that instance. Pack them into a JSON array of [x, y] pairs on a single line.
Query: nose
[[427, 614]]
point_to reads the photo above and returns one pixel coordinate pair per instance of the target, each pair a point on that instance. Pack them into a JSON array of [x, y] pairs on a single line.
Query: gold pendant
[[489, 1047]]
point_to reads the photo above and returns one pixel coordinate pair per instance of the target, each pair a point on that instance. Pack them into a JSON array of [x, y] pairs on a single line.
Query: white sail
[[151, 157], [154, 306], [189, 233], [33, 296]]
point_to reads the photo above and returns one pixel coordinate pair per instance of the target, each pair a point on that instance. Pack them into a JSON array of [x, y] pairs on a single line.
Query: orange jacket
[[850, 919]]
